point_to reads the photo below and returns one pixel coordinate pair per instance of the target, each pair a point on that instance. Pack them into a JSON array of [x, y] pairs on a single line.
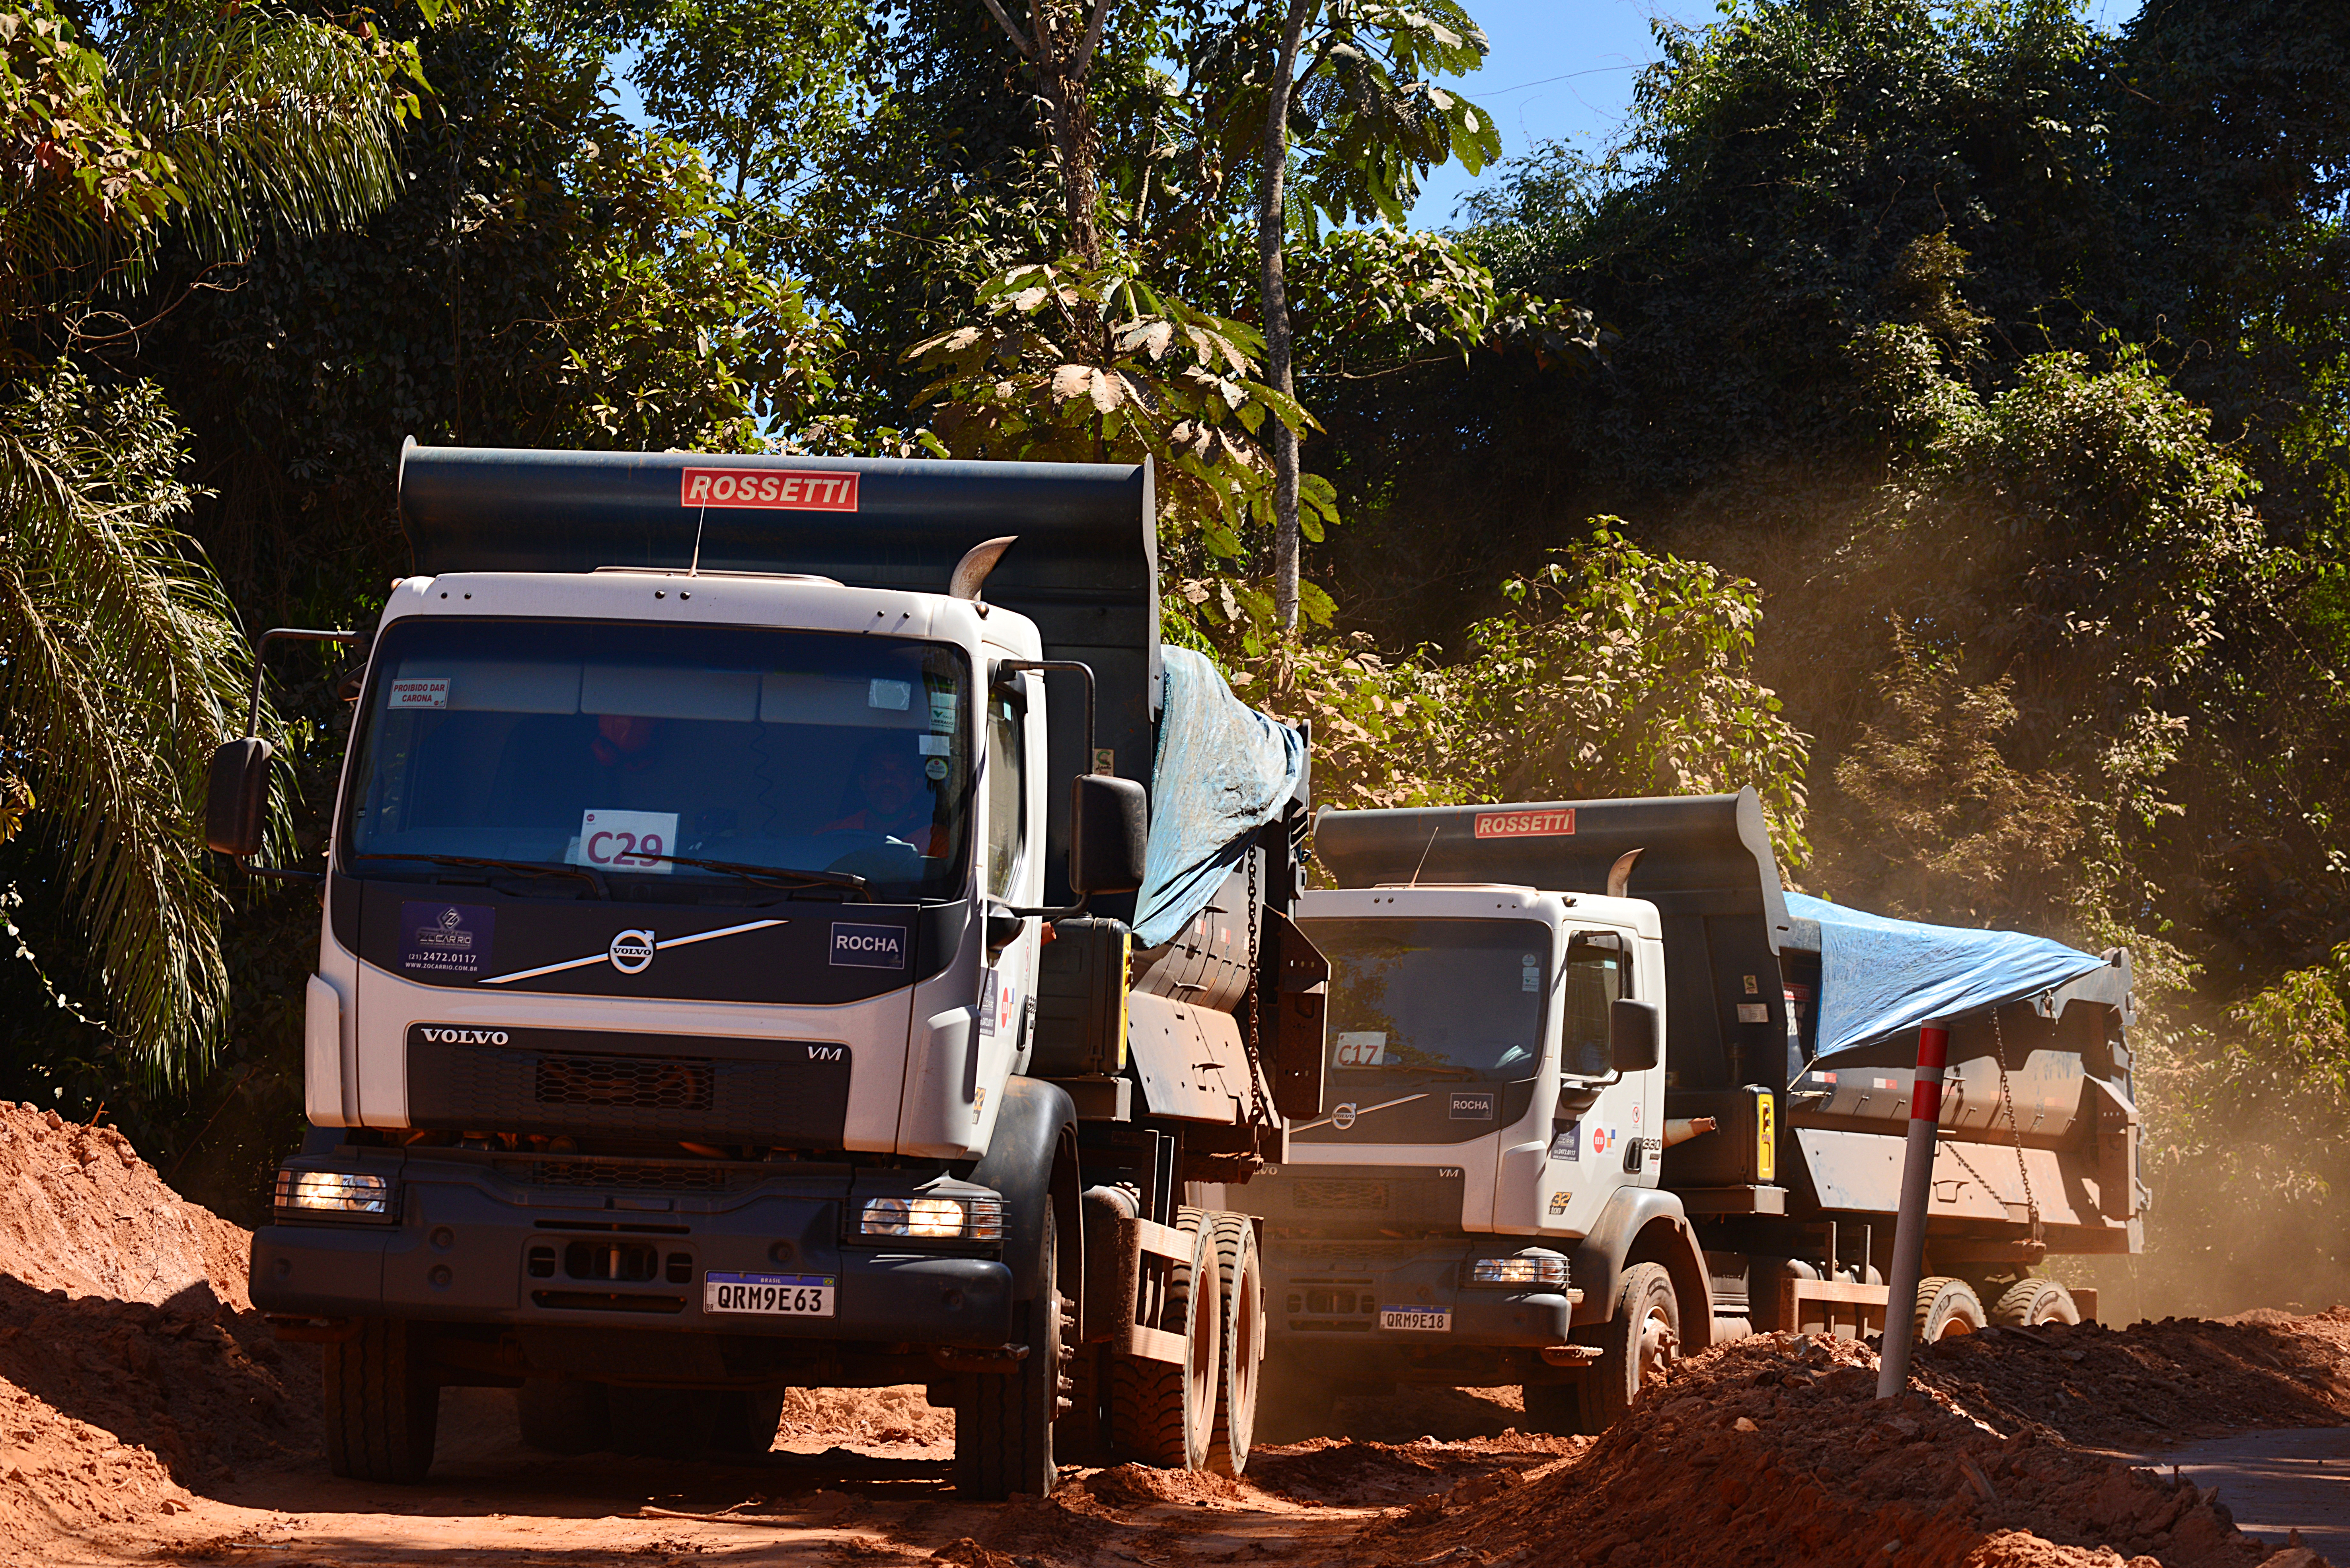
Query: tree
[[760, 87], [1375, 121], [122, 668]]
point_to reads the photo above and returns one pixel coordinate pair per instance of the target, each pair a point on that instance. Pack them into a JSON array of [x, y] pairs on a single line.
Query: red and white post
[[1910, 1224]]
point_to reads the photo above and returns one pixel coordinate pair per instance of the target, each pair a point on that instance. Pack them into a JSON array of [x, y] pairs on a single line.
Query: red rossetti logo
[[1526, 823], [775, 489]]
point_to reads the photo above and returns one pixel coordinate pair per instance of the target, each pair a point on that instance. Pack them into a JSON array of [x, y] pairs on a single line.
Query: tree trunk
[[1064, 62], [1272, 230]]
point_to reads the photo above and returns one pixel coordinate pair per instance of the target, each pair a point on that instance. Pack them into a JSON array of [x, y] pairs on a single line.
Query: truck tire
[[564, 1414], [746, 1421], [383, 1405], [1239, 1275], [1637, 1346], [1159, 1413], [2029, 1303], [1946, 1308], [1003, 1421]]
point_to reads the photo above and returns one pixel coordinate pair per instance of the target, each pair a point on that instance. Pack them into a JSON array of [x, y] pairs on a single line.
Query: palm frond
[[120, 669]]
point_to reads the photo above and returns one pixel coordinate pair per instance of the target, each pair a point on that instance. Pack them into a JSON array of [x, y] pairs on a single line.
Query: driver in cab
[[888, 794]]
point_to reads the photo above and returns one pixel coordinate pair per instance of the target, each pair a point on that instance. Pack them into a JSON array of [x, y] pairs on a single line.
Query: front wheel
[[1003, 1421], [1638, 1345], [383, 1404]]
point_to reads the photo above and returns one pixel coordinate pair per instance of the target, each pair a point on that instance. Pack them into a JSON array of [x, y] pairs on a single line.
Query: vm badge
[[632, 950], [866, 946]]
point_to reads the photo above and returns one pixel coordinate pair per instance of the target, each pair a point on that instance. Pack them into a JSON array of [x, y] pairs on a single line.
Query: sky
[[1564, 69]]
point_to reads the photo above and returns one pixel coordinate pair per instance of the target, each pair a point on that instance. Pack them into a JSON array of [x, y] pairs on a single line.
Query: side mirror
[[236, 796], [1110, 834], [1632, 1044]]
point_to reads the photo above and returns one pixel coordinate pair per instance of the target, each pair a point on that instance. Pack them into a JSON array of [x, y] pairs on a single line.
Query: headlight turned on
[[973, 1218], [1525, 1270], [333, 1195]]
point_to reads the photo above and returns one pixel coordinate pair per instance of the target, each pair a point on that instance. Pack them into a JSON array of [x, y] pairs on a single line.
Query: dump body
[[1788, 1200], [688, 1013]]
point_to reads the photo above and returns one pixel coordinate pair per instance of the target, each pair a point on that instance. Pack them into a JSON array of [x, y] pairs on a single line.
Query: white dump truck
[[788, 922], [1603, 1093]]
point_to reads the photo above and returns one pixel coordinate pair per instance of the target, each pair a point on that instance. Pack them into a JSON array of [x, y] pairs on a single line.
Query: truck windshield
[[1457, 999], [616, 747]]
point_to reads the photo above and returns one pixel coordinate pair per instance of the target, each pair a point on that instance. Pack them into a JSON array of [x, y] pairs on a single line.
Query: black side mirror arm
[[237, 790], [1084, 673]]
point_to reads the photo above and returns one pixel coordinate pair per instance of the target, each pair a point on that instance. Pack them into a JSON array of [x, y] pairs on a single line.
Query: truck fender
[[1032, 1160], [1644, 1225]]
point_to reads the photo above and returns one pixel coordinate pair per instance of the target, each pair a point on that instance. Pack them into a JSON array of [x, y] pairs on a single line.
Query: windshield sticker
[[626, 841], [936, 768], [1530, 972], [1362, 1048], [933, 745], [768, 488], [890, 696], [868, 947], [1526, 823], [426, 692], [1469, 1106], [1568, 1144], [943, 705], [445, 939]]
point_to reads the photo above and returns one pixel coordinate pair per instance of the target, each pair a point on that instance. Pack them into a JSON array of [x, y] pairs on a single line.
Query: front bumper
[[472, 1245], [1334, 1294]]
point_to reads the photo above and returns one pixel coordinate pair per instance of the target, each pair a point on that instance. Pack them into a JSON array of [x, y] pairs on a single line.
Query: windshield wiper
[[527, 868], [1445, 1071], [774, 875]]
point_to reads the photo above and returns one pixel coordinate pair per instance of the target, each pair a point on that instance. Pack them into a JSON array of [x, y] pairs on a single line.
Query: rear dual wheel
[[2027, 1303], [1162, 1413], [1946, 1309], [1241, 1334]]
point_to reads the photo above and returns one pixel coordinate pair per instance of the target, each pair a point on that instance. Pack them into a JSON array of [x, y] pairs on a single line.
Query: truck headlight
[[970, 1218], [334, 1195], [1526, 1270]]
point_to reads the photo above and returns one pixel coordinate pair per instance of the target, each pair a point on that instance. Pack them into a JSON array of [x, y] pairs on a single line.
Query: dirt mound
[[132, 1362], [81, 1213], [1774, 1450], [2151, 1383], [894, 1417], [1341, 1471]]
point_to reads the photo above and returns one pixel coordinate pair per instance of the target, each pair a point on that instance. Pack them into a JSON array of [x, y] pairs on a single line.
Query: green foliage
[[1617, 672], [1368, 120], [123, 671], [760, 87], [1076, 363]]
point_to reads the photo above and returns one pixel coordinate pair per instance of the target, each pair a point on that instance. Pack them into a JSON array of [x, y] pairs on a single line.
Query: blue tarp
[[1223, 771], [1880, 976]]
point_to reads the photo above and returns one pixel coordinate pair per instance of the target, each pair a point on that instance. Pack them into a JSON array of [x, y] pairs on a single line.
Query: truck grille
[[788, 1092], [653, 1177], [1339, 1195], [649, 1083]]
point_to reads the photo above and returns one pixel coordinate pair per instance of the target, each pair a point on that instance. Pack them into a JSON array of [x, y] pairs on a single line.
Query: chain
[[2007, 1103], [1259, 1114]]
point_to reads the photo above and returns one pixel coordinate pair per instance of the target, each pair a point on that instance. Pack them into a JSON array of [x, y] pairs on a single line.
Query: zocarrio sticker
[[445, 939]]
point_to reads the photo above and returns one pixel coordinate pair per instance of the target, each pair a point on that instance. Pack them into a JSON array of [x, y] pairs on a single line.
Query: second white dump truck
[[1602, 1093]]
